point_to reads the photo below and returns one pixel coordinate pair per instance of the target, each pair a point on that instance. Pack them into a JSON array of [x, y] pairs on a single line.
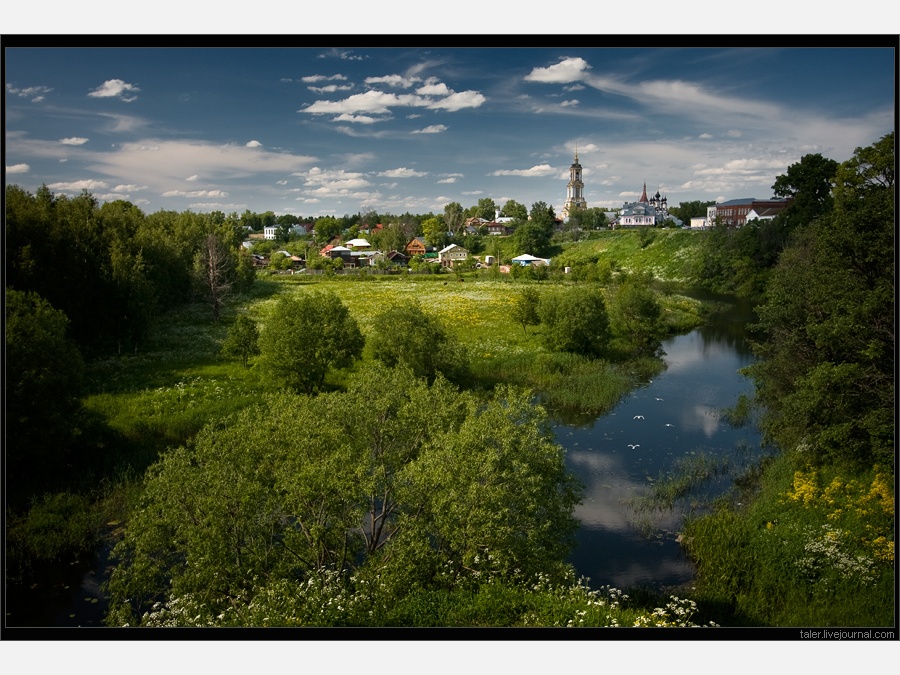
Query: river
[[673, 419]]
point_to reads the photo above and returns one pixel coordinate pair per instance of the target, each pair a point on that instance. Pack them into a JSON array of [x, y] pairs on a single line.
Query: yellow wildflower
[[805, 488]]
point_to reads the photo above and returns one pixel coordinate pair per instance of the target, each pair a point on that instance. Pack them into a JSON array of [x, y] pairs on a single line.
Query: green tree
[[43, 378], [531, 238], [575, 320], [406, 334], [808, 184], [692, 209], [525, 308], [280, 261], [826, 374], [636, 315], [406, 485], [327, 227], [306, 336], [435, 232], [542, 215], [513, 209], [243, 339], [454, 218], [486, 209]]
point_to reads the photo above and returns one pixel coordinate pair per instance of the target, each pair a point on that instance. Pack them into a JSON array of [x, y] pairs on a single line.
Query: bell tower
[[574, 189]]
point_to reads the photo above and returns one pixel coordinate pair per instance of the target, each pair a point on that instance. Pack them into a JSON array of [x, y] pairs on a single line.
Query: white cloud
[[78, 185], [434, 89], [359, 119], [375, 102], [705, 136], [394, 81], [451, 179], [253, 144], [36, 94], [372, 102], [458, 101], [333, 181], [312, 79], [17, 168], [115, 89], [343, 54], [191, 179], [331, 88], [162, 165], [402, 172], [569, 104], [129, 188], [433, 129], [567, 70], [539, 170], [74, 140], [195, 193]]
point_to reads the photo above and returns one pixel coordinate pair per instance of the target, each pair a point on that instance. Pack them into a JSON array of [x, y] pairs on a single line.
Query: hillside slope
[[668, 254]]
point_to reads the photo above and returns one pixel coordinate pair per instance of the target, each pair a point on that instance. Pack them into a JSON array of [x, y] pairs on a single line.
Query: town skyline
[[316, 130]]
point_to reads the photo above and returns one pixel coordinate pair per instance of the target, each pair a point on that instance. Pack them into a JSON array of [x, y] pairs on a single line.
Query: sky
[[315, 126]]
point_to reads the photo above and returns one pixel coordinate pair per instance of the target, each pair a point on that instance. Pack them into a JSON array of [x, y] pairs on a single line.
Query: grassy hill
[[668, 254]]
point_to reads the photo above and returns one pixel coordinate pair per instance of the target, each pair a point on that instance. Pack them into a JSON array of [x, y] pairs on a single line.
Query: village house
[[449, 255], [418, 246]]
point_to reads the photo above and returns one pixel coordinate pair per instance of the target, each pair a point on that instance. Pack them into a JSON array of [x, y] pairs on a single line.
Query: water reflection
[[617, 456]]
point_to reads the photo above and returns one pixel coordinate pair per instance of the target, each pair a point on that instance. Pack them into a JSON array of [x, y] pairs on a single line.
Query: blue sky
[[340, 127]]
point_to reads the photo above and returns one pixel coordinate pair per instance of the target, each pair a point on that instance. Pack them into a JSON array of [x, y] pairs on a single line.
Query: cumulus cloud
[[433, 129], [335, 180], [566, 71], [569, 104], [74, 140], [434, 89], [372, 102], [191, 179], [402, 172], [331, 88], [394, 81], [17, 168], [79, 185], [115, 89], [129, 188], [359, 119], [539, 170], [458, 101], [376, 102], [451, 179], [253, 144]]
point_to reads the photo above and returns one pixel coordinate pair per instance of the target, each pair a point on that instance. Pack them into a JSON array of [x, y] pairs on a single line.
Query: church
[[574, 190], [646, 212]]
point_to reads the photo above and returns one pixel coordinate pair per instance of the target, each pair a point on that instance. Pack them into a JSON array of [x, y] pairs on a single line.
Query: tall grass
[[813, 548]]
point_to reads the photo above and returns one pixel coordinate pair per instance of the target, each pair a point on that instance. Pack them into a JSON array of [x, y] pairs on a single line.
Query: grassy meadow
[[162, 394]]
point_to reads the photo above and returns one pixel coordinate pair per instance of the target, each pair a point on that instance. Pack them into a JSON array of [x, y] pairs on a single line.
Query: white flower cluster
[[828, 552]]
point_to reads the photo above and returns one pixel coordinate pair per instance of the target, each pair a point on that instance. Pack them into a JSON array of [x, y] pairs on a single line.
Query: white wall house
[[269, 231], [452, 254]]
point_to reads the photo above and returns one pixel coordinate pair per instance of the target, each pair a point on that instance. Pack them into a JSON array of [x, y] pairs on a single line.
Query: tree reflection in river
[[617, 456]]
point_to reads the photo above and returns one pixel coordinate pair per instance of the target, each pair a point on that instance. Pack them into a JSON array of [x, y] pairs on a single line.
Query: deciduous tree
[[305, 336], [406, 334]]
